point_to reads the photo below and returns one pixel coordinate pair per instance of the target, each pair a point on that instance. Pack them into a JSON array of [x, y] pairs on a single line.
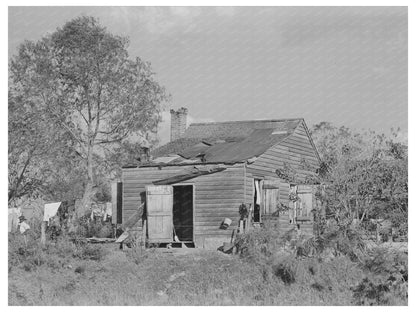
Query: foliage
[[259, 243], [31, 254], [335, 240], [336, 262], [33, 143], [364, 176], [388, 281], [78, 88], [85, 227]]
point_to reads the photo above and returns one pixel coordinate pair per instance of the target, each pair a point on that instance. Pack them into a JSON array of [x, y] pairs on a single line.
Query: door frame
[[193, 204]]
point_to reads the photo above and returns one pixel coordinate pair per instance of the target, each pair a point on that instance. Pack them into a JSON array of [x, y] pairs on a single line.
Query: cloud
[[160, 20], [225, 11]]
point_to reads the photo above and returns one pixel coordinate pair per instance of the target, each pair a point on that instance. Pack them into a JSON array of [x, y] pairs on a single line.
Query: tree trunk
[[88, 192], [86, 200]]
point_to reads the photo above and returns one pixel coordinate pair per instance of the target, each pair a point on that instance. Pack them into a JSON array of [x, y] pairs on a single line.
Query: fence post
[[43, 233]]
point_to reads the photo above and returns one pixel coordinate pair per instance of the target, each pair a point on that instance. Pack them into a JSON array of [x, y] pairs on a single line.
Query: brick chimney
[[177, 123]]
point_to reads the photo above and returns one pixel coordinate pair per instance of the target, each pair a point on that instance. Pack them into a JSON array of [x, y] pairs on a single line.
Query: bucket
[[227, 222]]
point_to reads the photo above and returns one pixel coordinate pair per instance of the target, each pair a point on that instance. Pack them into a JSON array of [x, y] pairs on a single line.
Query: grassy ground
[[268, 271], [196, 277]]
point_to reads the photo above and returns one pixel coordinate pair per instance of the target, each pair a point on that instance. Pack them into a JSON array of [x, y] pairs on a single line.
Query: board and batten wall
[[216, 196]]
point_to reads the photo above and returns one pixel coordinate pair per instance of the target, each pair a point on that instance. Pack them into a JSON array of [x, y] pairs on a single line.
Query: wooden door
[[159, 204], [271, 196]]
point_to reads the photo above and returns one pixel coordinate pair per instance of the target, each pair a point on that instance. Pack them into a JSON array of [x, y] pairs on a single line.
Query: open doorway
[[183, 215], [257, 200]]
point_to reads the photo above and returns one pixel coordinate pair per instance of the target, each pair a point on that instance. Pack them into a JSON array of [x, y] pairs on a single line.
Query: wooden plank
[[217, 219], [291, 155], [217, 212], [114, 201], [209, 192], [219, 196], [224, 181], [213, 223], [216, 205], [159, 203]]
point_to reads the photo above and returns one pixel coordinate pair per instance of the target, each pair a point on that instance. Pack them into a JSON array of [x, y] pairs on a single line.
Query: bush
[[387, 280], [27, 252], [285, 272], [89, 252], [85, 227], [54, 255], [296, 261], [259, 244]]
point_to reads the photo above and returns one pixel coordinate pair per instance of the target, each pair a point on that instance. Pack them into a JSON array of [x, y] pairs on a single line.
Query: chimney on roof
[[177, 123]]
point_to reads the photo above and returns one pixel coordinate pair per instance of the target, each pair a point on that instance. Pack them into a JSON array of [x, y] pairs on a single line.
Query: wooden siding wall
[[217, 196], [249, 188], [291, 151]]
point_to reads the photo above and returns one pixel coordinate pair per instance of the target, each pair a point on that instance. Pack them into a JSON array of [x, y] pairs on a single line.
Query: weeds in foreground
[[336, 263], [270, 270], [387, 279], [29, 253]]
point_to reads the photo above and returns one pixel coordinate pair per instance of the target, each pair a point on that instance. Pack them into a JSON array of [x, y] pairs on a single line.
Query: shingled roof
[[231, 141]]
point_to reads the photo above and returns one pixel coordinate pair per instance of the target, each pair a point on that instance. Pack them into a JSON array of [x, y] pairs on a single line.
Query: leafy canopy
[[80, 83]]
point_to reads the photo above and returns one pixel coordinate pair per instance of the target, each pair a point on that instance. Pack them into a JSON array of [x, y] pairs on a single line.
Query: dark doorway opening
[[183, 215], [119, 203]]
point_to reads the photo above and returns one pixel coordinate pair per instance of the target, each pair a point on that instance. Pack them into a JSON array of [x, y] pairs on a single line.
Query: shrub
[[259, 244], [387, 280], [284, 272], [85, 227], [89, 252], [296, 262], [27, 252]]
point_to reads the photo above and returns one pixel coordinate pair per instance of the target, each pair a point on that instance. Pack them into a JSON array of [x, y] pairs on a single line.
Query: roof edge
[[184, 164], [245, 121], [303, 122], [311, 141]]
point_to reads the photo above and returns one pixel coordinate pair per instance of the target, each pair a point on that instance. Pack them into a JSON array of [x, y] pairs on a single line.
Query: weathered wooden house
[[207, 171]]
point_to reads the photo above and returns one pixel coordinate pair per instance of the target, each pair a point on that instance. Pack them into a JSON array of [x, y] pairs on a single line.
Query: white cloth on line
[[258, 197], [50, 210], [14, 214], [109, 209], [23, 227]]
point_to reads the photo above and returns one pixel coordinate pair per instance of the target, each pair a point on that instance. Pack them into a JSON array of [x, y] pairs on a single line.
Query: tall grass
[[269, 270], [336, 264]]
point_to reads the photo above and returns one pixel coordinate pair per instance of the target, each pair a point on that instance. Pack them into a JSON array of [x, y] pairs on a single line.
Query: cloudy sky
[[346, 65]]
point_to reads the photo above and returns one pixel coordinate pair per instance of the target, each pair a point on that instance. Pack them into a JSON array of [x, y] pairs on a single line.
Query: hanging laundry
[[258, 197], [50, 211], [23, 226], [14, 214]]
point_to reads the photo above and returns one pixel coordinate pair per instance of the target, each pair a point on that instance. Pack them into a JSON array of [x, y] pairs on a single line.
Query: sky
[[345, 65]]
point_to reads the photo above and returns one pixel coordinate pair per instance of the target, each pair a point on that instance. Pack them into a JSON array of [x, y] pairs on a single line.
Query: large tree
[[81, 80]]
